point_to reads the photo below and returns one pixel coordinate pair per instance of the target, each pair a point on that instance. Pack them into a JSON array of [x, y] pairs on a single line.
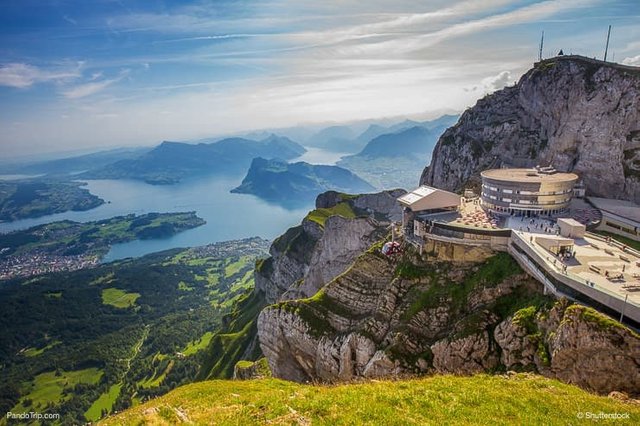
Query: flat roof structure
[[571, 228], [622, 208], [528, 176], [429, 198], [554, 244]]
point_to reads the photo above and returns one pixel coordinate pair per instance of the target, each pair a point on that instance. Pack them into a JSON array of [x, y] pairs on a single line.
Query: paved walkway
[[592, 254]]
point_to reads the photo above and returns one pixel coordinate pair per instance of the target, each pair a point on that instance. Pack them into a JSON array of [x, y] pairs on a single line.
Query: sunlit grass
[[481, 399], [119, 298]]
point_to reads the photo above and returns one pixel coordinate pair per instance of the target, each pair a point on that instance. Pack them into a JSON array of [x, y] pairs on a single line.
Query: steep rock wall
[[311, 254], [391, 317], [574, 113]]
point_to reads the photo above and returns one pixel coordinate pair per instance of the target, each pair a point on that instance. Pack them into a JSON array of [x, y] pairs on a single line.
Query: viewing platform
[[587, 268]]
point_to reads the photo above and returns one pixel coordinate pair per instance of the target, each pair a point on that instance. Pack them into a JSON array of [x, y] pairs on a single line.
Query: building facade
[[527, 192], [618, 217]]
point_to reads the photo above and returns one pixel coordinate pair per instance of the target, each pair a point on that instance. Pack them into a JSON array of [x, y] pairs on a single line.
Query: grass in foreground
[[480, 399]]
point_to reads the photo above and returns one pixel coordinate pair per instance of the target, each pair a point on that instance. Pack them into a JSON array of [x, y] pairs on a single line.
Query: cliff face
[[325, 243], [389, 317], [573, 113]]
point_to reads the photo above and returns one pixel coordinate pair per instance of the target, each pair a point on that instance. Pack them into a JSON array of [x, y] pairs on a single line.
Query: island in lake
[[68, 245]]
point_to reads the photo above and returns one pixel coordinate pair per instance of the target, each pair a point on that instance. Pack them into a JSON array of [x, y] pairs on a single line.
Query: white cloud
[[497, 82], [633, 61], [22, 75], [82, 90]]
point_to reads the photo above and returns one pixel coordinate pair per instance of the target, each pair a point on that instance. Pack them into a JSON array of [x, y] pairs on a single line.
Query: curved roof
[[528, 175]]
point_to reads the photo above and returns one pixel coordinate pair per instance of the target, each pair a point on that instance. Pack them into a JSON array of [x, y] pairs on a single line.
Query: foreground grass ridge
[[480, 399]]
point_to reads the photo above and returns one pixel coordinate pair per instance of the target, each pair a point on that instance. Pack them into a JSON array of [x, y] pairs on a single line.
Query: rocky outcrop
[[574, 344], [574, 113], [388, 317], [249, 370], [314, 252]]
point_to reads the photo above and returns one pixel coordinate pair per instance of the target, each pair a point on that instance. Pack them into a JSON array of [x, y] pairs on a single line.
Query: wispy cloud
[[211, 37], [412, 43], [93, 87], [20, 75], [229, 65], [69, 19]]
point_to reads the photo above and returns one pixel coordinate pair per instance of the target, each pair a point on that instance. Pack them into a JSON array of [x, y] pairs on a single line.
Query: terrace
[[469, 215], [599, 267]]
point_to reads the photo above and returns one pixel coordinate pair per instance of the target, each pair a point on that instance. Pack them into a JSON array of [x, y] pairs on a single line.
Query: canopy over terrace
[[556, 245], [427, 198]]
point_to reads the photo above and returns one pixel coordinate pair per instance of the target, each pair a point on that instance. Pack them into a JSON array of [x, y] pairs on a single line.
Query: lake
[[229, 216]]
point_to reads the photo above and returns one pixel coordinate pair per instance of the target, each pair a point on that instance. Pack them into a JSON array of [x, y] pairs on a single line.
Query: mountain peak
[[569, 111]]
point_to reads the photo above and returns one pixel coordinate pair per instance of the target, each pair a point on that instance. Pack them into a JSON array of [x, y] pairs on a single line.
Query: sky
[[79, 75]]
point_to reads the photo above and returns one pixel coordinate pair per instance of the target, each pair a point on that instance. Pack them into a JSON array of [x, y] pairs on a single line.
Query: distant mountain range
[[171, 162], [406, 142], [79, 163], [395, 159], [297, 183], [345, 138], [412, 142]]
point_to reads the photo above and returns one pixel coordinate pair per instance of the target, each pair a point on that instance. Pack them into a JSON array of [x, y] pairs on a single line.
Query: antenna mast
[[541, 44], [606, 49]]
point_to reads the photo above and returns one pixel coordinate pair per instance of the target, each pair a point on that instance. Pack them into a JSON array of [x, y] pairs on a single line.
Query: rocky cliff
[[574, 113], [417, 314], [325, 243]]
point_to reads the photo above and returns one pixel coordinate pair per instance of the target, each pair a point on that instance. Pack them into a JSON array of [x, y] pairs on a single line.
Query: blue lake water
[[229, 216], [320, 156]]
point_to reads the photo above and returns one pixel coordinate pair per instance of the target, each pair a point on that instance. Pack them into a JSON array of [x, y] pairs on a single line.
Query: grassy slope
[[228, 346], [104, 402], [481, 399], [321, 215], [48, 387]]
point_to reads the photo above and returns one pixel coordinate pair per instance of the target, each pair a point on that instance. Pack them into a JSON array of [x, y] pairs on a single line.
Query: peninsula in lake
[[294, 183], [69, 246], [34, 198]]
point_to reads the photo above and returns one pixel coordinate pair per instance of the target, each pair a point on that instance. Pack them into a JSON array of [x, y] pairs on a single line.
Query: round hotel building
[[527, 192]]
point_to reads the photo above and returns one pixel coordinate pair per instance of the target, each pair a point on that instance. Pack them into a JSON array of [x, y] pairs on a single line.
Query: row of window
[[621, 228], [520, 212], [536, 202], [522, 192]]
